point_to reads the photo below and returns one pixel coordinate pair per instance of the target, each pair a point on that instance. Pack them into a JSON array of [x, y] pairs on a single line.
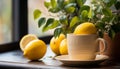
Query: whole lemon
[[85, 28], [63, 47], [35, 50], [55, 43]]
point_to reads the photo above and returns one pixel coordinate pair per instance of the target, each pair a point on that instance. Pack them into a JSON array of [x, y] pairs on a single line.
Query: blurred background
[[5, 21]]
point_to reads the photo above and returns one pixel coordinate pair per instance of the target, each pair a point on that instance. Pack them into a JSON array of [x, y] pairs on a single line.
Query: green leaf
[[80, 2], [70, 5], [47, 4], [85, 7], [36, 13], [84, 14], [57, 32], [66, 2], [60, 4], [107, 12], [70, 9], [74, 20], [53, 3], [63, 20], [41, 21], [54, 24], [90, 13], [49, 21]]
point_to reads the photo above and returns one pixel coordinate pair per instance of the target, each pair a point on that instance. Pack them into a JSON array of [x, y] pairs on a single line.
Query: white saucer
[[66, 61]]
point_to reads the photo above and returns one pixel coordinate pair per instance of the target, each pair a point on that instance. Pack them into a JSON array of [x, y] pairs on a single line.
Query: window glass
[[5, 21], [32, 24]]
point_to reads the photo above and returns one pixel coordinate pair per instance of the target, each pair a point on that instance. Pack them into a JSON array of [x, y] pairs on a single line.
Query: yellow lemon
[[55, 43], [85, 28], [63, 47], [26, 39], [35, 49]]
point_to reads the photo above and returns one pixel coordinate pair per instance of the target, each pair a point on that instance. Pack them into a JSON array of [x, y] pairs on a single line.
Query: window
[[5, 21], [32, 24], [14, 23]]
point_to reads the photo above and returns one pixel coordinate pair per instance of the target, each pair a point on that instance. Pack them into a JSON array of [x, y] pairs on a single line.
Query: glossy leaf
[[53, 3], [80, 2], [49, 21], [70, 9], [70, 5], [74, 21], [90, 13], [60, 4], [57, 32], [85, 7], [63, 20], [54, 24], [37, 13], [84, 14], [47, 4], [41, 21], [66, 3]]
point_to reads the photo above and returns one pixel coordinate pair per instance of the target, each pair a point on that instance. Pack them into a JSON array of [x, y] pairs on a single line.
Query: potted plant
[[105, 14]]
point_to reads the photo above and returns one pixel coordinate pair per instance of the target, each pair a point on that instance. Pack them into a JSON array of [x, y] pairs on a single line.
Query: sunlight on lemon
[[63, 47], [55, 43], [35, 50], [86, 28]]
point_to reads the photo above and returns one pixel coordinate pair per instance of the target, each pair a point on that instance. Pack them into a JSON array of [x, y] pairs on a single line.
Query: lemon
[[55, 43], [35, 49], [26, 39], [63, 47], [85, 28]]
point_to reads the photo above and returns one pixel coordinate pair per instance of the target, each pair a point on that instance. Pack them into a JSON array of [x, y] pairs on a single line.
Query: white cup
[[84, 47]]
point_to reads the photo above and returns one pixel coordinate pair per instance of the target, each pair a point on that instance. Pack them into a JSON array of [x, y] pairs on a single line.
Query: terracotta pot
[[113, 47]]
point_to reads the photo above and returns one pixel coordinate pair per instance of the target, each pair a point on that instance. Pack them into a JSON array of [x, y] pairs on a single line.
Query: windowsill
[[15, 59]]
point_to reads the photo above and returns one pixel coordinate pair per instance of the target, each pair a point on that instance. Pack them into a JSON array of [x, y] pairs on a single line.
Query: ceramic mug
[[84, 47]]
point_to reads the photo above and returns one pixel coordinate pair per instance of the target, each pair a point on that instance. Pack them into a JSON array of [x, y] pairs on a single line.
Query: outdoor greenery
[[105, 14]]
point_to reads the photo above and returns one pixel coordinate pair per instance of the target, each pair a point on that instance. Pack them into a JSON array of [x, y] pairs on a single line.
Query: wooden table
[[14, 59]]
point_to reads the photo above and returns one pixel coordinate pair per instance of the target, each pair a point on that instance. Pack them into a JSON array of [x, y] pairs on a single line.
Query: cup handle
[[104, 45]]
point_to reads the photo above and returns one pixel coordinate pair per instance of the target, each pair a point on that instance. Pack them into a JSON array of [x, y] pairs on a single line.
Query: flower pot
[[113, 47]]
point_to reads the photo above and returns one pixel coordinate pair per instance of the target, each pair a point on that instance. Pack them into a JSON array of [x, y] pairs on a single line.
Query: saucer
[[66, 61]]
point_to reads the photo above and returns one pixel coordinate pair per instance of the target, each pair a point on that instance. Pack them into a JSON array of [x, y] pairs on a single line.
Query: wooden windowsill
[[15, 59]]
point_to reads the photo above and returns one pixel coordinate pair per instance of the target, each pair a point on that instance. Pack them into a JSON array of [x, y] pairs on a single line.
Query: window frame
[[20, 19], [19, 25]]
